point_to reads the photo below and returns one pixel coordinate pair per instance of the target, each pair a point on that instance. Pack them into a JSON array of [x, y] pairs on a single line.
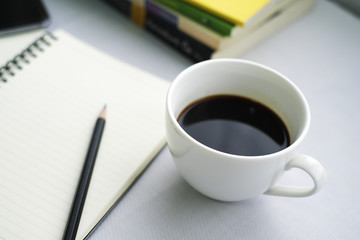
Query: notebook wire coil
[[31, 52]]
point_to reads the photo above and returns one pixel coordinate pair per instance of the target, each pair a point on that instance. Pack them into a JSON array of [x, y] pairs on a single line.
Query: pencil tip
[[103, 112]]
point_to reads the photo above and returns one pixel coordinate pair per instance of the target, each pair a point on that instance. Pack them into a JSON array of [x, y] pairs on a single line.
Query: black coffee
[[235, 125]]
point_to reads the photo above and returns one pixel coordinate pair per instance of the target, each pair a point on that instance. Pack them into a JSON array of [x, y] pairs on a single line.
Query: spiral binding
[[31, 52]]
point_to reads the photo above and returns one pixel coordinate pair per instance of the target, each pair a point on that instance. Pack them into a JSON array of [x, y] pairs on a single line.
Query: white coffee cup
[[229, 177]]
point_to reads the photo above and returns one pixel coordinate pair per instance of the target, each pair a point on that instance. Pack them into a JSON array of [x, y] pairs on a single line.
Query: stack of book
[[206, 29]]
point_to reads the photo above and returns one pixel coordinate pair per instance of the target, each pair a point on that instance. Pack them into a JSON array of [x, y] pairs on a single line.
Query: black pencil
[[84, 182]]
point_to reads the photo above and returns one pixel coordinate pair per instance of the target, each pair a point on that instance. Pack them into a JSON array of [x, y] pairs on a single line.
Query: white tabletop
[[320, 53]]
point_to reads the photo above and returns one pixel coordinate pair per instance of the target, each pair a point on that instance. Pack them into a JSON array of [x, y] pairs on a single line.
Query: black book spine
[[168, 33], [182, 42]]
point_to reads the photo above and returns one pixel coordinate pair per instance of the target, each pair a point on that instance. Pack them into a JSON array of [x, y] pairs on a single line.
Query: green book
[[219, 25]]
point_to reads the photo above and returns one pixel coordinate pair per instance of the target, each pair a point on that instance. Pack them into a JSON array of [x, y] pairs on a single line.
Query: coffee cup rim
[[293, 145]]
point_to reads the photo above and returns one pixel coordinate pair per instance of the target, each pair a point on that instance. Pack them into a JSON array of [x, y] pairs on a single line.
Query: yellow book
[[234, 11]]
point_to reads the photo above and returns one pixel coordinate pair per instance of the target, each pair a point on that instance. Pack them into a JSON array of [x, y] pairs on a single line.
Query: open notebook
[[47, 114]]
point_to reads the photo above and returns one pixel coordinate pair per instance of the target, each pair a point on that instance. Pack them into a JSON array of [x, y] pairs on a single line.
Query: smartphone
[[21, 15]]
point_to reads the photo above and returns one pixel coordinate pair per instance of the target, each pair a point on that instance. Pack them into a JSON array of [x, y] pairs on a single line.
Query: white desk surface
[[321, 54]]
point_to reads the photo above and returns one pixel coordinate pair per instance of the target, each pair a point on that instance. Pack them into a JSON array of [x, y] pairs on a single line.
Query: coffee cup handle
[[311, 167]]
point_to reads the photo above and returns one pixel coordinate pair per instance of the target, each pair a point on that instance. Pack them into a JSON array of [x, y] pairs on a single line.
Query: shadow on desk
[[182, 211]]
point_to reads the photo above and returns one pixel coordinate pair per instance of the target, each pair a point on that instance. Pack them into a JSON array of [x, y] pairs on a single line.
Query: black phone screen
[[19, 15]]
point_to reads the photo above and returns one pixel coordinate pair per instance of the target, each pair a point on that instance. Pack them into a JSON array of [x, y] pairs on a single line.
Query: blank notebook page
[[47, 115]]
